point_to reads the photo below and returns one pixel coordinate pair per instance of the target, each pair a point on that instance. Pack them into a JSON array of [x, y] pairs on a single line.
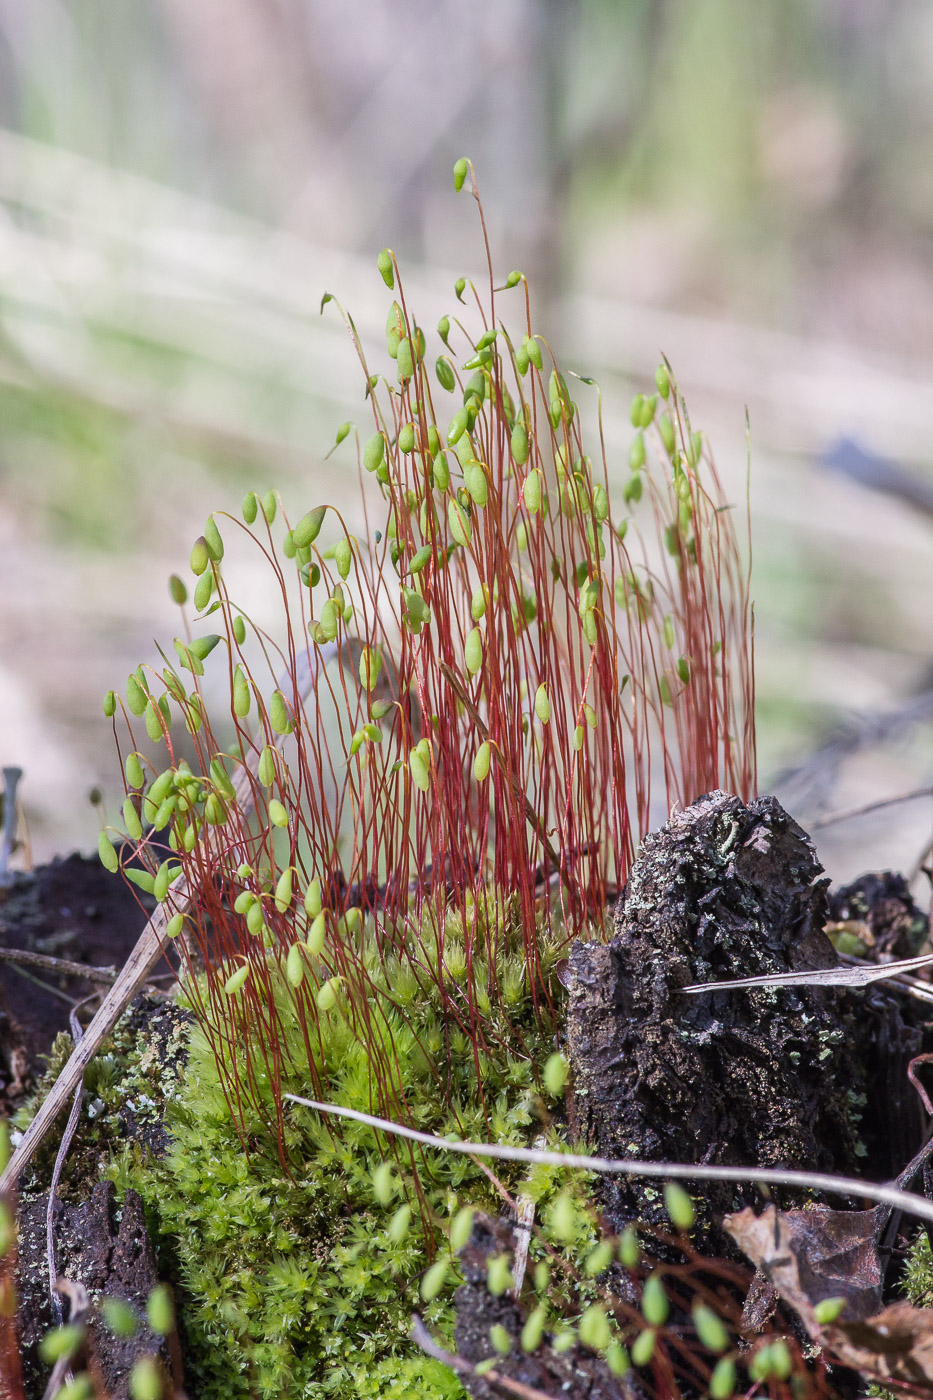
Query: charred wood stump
[[755, 1077]]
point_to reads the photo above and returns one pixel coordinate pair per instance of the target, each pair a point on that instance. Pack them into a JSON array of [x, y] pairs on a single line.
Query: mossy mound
[[303, 1281]]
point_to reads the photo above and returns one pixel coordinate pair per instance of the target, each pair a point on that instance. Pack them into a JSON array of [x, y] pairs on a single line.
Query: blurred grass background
[[745, 188]]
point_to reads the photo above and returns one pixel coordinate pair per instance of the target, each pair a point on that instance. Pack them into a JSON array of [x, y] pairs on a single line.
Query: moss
[[300, 1282]]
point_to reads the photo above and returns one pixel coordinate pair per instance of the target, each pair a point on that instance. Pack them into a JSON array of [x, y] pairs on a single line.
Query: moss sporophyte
[[423, 785]]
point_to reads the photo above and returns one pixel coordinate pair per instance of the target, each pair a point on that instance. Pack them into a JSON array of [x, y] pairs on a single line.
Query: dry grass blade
[[608, 1166], [859, 976]]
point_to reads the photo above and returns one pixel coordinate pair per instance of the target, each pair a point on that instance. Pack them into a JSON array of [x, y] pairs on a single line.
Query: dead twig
[[422, 1337], [673, 1171], [63, 966], [851, 812]]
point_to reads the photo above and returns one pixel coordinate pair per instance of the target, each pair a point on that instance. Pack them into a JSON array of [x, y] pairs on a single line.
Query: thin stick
[[63, 966], [609, 1166], [422, 1337], [851, 812], [859, 976]]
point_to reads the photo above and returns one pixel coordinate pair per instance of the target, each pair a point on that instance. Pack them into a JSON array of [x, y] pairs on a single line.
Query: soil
[[72, 909]]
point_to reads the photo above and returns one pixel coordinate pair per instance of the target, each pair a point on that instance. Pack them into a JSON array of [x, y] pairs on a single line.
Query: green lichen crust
[[303, 1282]]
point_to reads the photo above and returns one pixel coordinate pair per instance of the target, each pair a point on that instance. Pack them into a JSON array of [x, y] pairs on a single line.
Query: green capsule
[[309, 526], [250, 507], [203, 590], [175, 925], [136, 697], [269, 506], [521, 536], [200, 556], [201, 647], [374, 451], [441, 471], [473, 651], [617, 1359], [343, 557], [212, 539], [481, 763], [663, 380], [265, 771], [141, 879], [370, 668], [153, 723], [278, 713], [533, 351], [654, 1305], [221, 779], [239, 630], [479, 602], [600, 502], [406, 438], [327, 994], [159, 1311], [435, 1278], [459, 522], [710, 1328], [638, 403], [556, 413], [531, 493], [283, 890], [133, 768], [519, 444], [474, 478], [108, 856], [420, 771], [295, 965], [533, 1330], [110, 704], [629, 1253], [342, 432], [461, 1227], [215, 810], [593, 1328], [386, 269], [649, 405], [521, 360], [317, 933], [723, 1381], [579, 735], [679, 1206], [458, 426], [405, 360], [131, 820], [278, 813], [643, 1346], [499, 1278], [459, 287], [636, 456], [542, 704], [501, 1339], [255, 919], [236, 979], [60, 1342], [421, 559], [666, 429], [556, 1072], [164, 813], [513, 279], [177, 589], [166, 873], [563, 1217], [121, 1319], [460, 173], [242, 695]]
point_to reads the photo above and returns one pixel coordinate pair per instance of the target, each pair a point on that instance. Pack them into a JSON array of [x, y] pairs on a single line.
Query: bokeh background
[[747, 188]]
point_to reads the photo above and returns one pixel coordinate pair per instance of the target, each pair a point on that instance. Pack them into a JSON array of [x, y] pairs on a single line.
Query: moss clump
[[303, 1282]]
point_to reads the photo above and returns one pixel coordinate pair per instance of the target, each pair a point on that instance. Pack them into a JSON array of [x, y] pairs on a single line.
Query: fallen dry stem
[[608, 1166]]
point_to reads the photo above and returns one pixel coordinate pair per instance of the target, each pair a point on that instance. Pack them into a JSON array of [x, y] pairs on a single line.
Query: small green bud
[[722, 1383], [636, 456], [443, 328], [236, 979], [533, 351], [200, 556], [215, 810], [166, 873], [242, 695], [663, 381], [711, 1330], [406, 438], [110, 704], [61, 1341], [120, 1318], [460, 173], [250, 507], [564, 1217], [295, 965], [593, 1328], [598, 1259], [556, 1071], [542, 704], [461, 1227], [420, 771], [309, 526], [679, 1206], [212, 539], [177, 589], [533, 1330], [459, 522], [283, 891], [521, 360], [399, 1224], [458, 426], [441, 471], [386, 269], [481, 763], [500, 1338], [654, 1305], [459, 286], [270, 505], [133, 768], [474, 478], [420, 559], [643, 1346], [278, 813], [513, 279], [278, 713], [648, 411], [316, 935], [473, 651], [159, 1310], [136, 697], [828, 1310], [374, 451], [499, 1275], [175, 925], [434, 1279], [638, 403], [520, 444], [265, 771], [327, 994], [478, 602], [146, 1379], [617, 1359], [108, 856], [343, 557]]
